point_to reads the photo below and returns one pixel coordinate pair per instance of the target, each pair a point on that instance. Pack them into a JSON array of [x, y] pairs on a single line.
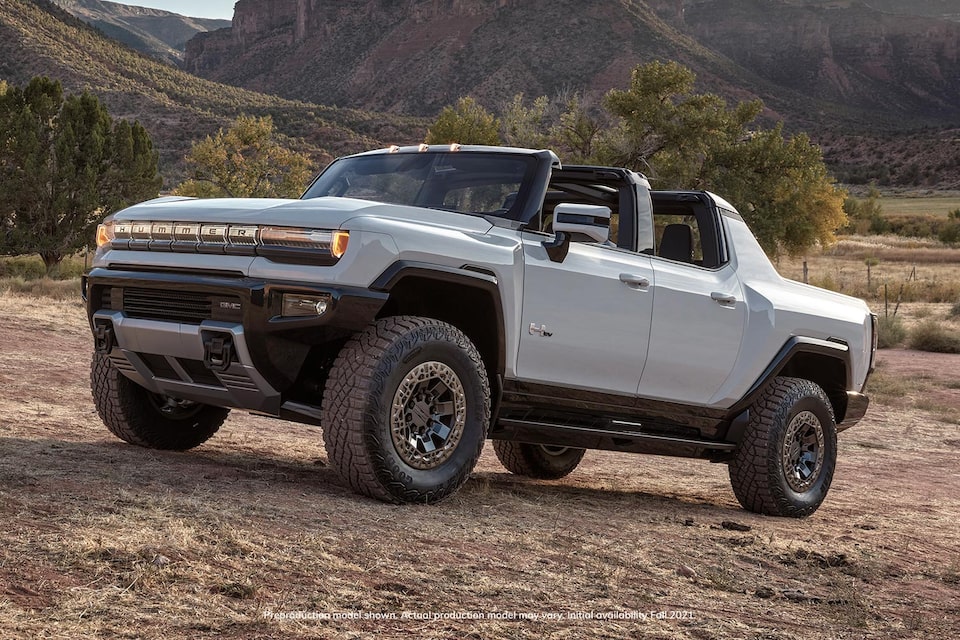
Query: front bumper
[[216, 339]]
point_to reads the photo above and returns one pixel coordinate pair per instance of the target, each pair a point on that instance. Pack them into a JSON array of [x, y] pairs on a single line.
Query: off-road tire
[[364, 428], [537, 461], [762, 475], [139, 417]]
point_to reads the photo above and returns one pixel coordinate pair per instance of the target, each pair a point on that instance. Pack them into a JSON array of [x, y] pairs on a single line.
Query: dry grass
[[42, 287], [102, 539], [904, 269]]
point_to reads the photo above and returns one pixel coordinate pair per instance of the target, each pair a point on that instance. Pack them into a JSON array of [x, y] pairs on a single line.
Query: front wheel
[[785, 463], [541, 461], [405, 410], [146, 419]]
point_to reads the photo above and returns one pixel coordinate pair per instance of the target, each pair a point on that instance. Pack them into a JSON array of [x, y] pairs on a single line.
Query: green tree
[[65, 164], [245, 161], [467, 123], [687, 140], [578, 129], [670, 132], [781, 188]]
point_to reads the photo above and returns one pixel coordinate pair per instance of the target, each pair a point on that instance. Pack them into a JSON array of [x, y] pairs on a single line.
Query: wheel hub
[[803, 451], [428, 415]]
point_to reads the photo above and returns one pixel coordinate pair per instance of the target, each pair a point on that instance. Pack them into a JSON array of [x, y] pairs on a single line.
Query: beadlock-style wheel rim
[[428, 415], [803, 451]]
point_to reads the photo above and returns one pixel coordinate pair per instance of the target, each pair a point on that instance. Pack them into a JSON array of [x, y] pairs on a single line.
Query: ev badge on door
[[542, 330]]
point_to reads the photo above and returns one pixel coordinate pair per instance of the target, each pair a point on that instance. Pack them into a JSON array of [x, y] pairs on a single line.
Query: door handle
[[723, 298], [634, 281]]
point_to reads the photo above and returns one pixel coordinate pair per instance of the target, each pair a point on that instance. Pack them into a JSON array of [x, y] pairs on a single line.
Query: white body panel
[[590, 316], [695, 339]]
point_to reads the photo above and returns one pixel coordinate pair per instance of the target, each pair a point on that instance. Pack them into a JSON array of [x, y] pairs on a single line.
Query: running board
[[537, 432]]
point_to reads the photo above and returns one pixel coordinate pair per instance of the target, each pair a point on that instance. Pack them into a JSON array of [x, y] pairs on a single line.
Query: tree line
[[65, 163]]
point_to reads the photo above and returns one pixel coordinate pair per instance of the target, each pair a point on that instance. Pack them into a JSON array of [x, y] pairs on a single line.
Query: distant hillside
[[840, 69], [841, 53], [802, 56], [418, 56], [949, 9], [38, 38], [157, 33]]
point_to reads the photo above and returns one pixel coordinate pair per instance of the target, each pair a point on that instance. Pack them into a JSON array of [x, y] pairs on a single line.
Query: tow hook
[[103, 338], [218, 353]]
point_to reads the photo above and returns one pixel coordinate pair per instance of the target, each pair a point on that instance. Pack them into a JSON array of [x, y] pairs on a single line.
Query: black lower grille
[[171, 305], [156, 304]]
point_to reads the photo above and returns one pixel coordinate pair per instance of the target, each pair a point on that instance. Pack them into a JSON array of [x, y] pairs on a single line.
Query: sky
[[193, 8]]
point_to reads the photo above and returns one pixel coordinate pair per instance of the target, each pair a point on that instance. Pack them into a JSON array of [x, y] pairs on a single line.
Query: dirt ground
[[252, 536]]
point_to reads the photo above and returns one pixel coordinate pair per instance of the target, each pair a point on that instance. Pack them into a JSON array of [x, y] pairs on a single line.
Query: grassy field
[[920, 205]]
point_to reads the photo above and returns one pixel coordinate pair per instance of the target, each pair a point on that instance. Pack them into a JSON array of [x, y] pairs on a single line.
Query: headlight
[[104, 234]]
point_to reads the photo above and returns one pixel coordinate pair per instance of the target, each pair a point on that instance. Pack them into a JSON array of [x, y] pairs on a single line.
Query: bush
[[950, 234], [890, 332], [954, 311], [930, 335]]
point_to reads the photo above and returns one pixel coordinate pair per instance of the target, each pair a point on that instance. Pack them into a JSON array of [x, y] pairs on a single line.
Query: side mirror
[[587, 220]]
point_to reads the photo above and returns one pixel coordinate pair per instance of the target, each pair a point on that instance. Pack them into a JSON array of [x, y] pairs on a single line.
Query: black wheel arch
[[824, 362], [467, 297]]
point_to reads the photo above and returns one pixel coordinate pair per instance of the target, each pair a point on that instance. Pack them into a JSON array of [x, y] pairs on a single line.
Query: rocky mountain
[[415, 56], [949, 9], [39, 38], [842, 53], [157, 33], [875, 82]]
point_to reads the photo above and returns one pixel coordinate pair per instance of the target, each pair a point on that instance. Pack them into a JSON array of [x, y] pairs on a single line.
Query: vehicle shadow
[[45, 464]]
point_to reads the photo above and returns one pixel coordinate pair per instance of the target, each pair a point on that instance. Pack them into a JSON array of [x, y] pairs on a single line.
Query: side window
[[687, 229], [678, 238]]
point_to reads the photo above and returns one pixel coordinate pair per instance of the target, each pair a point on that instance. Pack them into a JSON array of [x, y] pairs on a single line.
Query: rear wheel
[[146, 419], [542, 461], [785, 464], [405, 410]]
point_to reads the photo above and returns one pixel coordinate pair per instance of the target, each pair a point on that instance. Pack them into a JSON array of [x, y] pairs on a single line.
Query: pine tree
[[64, 165]]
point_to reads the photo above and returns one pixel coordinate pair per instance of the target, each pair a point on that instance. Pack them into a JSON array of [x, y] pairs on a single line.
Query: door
[[700, 314], [585, 322]]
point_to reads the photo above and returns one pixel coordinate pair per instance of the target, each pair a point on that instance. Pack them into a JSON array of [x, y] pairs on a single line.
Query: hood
[[317, 213]]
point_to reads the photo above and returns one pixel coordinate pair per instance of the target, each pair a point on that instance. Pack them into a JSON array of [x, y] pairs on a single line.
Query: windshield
[[472, 183]]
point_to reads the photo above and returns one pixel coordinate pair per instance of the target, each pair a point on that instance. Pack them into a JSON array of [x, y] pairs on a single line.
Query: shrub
[[930, 335], [954, 311], [950, 234], [890, 332]]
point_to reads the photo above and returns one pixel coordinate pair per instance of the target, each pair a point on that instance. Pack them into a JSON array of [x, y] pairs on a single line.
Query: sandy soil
[[252, 536]]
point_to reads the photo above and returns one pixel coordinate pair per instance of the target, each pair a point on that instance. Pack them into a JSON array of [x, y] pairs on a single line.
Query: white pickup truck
[[418, 301]]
